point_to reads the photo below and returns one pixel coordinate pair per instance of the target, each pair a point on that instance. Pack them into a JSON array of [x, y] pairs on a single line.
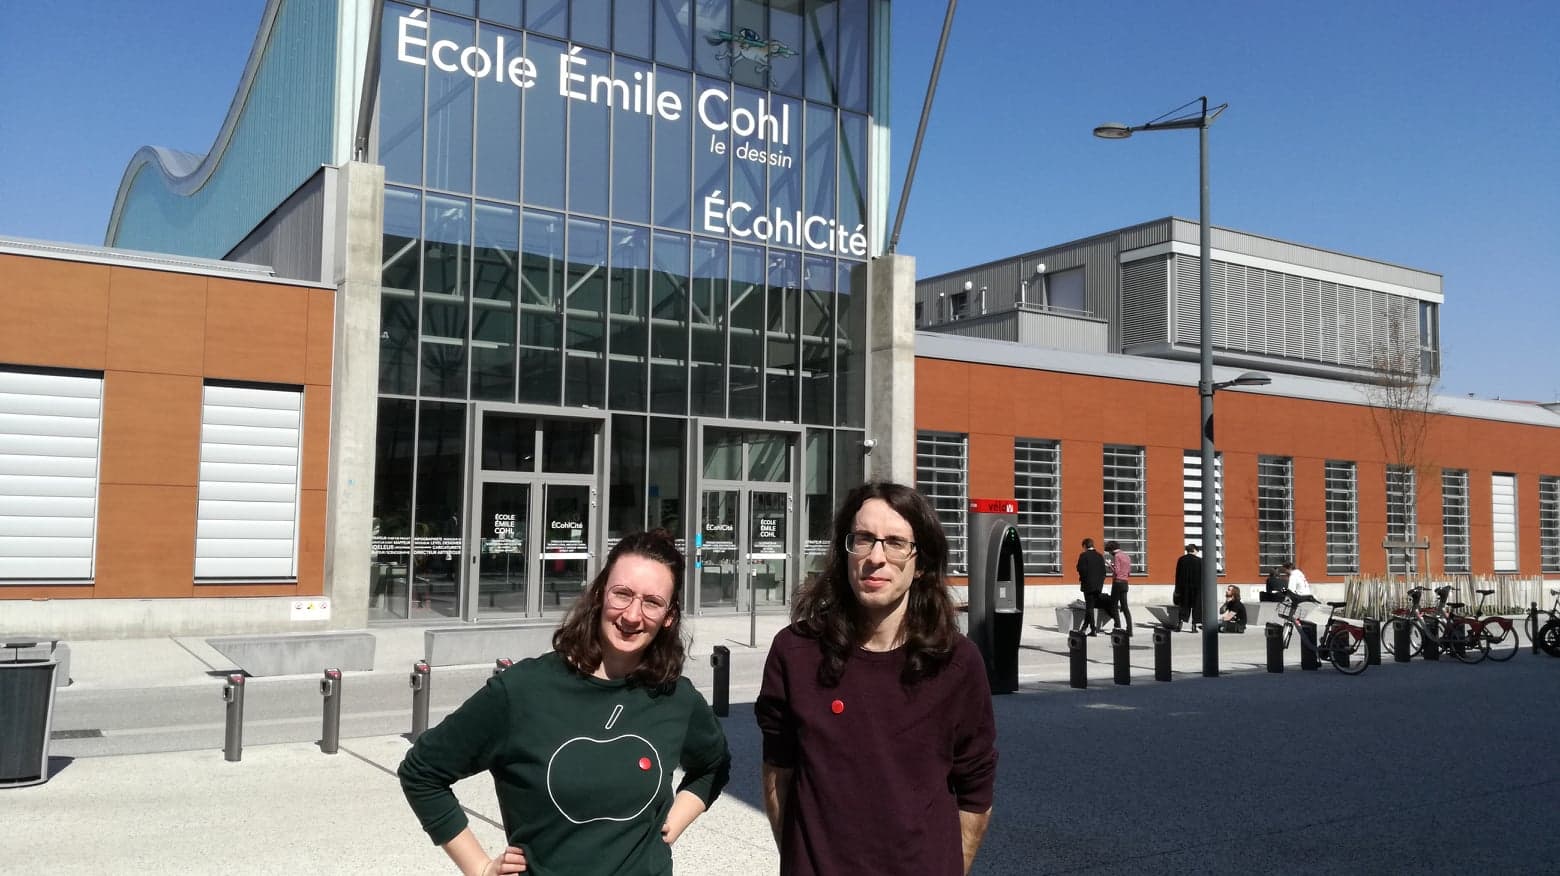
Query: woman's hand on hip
[[511, 860]]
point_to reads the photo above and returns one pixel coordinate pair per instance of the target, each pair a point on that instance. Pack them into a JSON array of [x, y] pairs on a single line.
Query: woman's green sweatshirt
[[582, 766]]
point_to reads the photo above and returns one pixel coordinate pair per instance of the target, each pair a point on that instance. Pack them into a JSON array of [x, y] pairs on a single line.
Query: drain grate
[[76, 734]]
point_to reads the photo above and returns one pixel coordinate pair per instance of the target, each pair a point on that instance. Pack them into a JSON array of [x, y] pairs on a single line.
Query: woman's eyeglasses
[[894, 547], [620, 598]]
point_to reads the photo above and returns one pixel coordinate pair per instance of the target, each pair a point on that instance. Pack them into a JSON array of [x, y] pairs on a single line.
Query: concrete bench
[[297, 653], [470, 644]]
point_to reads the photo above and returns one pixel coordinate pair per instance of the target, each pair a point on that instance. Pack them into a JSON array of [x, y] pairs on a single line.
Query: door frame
[[477, 477], [796, 435]]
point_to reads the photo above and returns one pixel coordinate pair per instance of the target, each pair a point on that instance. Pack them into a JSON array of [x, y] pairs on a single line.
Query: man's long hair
[[826, 607], [578, 638]]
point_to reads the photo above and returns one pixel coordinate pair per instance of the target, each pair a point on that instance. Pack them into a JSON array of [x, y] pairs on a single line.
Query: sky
[[1423, 133]]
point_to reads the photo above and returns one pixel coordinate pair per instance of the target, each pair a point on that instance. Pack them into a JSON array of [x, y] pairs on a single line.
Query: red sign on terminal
[[994, 506]]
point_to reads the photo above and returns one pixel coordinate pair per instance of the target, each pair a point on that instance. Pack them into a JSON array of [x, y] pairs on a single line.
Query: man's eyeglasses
[[620, 598], [895, 547]]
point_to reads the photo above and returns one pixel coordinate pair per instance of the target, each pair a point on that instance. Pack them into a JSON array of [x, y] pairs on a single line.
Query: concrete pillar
[[358, 245], [891, 369]]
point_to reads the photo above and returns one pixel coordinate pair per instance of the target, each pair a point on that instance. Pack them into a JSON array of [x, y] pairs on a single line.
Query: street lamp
[[1178, 119]]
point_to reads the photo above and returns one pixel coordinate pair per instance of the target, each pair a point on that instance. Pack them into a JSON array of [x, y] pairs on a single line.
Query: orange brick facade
[[994, 404], [155, 337]]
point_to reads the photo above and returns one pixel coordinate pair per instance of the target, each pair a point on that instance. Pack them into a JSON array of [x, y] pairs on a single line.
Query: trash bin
[[26, 714]]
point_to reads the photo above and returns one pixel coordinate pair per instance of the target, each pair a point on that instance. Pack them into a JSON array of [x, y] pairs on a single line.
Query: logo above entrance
[[747, 45]]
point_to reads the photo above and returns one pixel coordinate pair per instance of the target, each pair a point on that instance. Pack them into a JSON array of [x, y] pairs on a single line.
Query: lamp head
[[1113, 131], [1252, 378], [969, 285]]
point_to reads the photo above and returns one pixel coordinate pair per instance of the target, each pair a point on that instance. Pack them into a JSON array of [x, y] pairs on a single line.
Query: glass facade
[[629, 225]]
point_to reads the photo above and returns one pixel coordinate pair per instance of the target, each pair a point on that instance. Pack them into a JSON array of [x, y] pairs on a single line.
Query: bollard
[[233, 694], [1428, 649], [1120, 648], [720, 659], [1275, 648], [1308, 656], [1400, 640], [1533, 626], [330, 732], [1372, 642], [501, 664], [420, 679], [1161, 654], [1077, 659]]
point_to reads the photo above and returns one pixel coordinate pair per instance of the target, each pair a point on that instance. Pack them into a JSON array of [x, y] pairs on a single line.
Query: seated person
[[1277, 581], [1232, 615]]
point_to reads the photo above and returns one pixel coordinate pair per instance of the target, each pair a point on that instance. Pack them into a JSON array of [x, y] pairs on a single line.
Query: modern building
[[598, 267], [572, 269], [1054, 377]]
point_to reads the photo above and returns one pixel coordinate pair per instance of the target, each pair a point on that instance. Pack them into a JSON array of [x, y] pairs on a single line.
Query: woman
[[1232, 615], [1119, 563], [582, 741]]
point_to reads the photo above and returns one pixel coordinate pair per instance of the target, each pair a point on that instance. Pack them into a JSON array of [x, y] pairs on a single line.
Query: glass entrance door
[[768, 546], [504, 571], [565, 555], [715, 547]]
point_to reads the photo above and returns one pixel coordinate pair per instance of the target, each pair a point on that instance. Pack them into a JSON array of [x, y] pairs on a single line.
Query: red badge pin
[[644, 763], [837, 707]]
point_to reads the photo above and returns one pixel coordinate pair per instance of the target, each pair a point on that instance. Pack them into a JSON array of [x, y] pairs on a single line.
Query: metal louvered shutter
[[50, 435], [1191, 502], [247, 524], [1503, 508]]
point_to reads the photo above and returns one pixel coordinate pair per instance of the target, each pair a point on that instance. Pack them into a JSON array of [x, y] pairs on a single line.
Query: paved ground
[[1433, 767]]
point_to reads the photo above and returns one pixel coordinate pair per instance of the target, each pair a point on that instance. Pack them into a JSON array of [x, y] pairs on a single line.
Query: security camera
[[1039, 268], [868, 443], [968, 285]]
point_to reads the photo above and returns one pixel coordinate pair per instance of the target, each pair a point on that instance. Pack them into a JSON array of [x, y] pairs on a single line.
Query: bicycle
[[1342, 642], [1499, 633], [1546, 635], [1438, 629]]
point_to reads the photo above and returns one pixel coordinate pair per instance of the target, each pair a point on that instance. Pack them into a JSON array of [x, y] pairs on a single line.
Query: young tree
[[1400, 392]]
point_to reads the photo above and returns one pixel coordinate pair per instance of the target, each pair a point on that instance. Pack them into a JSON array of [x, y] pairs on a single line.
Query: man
[[1188, 588], [879, 745], [1091, 580], [1298, 583]]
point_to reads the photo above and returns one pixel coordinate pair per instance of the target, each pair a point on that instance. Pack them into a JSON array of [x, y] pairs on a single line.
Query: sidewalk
[[288, 808]]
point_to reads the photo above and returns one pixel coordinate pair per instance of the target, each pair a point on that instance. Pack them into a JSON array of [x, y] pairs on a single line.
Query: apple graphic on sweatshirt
[[604, 779]]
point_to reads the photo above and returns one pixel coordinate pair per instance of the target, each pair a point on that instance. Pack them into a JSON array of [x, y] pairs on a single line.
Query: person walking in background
[[1298, 583], [1232, 614], [1091, 580], [1188, 588], [1120, 571], [879, 745], [582, 742]]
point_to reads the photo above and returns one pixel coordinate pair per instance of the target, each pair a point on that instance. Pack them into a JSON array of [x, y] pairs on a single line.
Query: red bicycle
[[1499, 633]]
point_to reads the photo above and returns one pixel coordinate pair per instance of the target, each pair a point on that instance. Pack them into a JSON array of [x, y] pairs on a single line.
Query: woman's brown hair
[[826, 606], [578, 638]]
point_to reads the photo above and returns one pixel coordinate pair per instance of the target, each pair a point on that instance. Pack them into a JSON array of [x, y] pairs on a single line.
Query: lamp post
[[1179, 119]]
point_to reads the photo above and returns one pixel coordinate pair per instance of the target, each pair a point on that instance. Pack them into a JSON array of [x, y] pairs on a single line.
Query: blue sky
[[1418, 133]]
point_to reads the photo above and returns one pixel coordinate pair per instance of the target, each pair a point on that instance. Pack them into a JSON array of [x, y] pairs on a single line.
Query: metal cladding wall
[[157, 337], [277, 134], [994, 404]]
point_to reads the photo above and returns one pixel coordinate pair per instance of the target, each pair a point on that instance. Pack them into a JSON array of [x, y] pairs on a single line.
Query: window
[[247, 523], [1064, 291], [958, 306], [1454, 520], [1343, 543], [942, 476], [1275, 511], [1400, 518], [1037, 485], [49, 440], [1503, 507], [1191, 502], [1549, 523], [1429, 340], [1124, 517]]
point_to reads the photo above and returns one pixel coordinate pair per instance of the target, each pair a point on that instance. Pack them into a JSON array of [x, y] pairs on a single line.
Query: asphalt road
[[1429, 767]]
